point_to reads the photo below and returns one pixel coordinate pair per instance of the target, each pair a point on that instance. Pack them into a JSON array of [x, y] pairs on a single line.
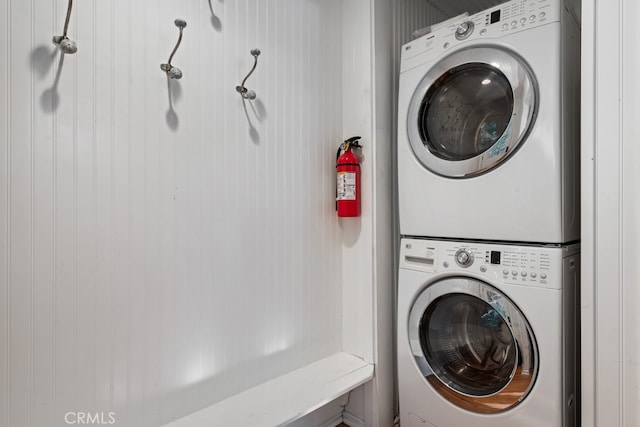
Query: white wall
[[164, 245], [610, 213], [367, 241]]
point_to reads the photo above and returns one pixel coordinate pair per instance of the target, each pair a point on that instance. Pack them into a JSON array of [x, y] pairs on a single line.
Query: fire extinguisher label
[[346, 186]]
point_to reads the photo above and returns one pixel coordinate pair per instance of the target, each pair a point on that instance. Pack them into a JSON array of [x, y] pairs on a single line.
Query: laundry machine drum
[[465, 111], [471, 111], [473, 345]]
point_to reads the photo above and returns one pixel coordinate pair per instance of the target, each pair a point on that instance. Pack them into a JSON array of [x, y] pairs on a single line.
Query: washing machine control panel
[[526, 265], [507, 18]]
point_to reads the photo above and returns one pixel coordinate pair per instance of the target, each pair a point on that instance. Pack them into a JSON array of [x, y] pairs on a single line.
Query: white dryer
[[487, 334], [488, 122]]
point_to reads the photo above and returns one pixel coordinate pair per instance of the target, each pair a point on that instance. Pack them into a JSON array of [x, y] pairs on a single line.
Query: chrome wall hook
[[66, 44], [174, 72], [242, 90]]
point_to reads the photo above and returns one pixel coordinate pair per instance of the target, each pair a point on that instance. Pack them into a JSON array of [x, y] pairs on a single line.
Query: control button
[[514, 23], [446, 45], [445, 264], [483, 31], [523, 20], [543, 276], [523, 274], [514, 273], [505, 272], [505, 26], [534, 275], [464, 30], [542, 15], [532, 18], [463, 258], [483, 268]]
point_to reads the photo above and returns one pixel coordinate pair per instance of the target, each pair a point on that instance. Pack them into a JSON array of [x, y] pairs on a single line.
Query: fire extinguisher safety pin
[[351, 142]]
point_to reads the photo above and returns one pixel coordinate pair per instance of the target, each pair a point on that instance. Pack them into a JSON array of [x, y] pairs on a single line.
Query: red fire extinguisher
[[348, 179]]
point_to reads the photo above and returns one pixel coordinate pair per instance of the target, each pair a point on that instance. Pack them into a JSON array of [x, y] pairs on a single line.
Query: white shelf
[[286, 398]]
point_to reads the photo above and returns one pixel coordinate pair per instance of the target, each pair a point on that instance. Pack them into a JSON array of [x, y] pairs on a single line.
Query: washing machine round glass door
[[471, 111], [473, 345]]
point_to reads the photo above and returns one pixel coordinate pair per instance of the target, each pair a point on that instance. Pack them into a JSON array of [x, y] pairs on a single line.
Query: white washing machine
[[488, 122], [487, 334]]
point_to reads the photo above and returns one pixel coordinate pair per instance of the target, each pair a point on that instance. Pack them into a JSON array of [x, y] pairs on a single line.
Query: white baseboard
[[345, 417], [333, 422], [352, 420]]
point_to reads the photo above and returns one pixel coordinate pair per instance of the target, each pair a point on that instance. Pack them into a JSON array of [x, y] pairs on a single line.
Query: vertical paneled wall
[[164, 244], [610, 214], [408, 16]]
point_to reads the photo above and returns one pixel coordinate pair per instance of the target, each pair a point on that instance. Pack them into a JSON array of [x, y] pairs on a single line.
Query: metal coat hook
[[242, 90], [66, 44], [174, 72]]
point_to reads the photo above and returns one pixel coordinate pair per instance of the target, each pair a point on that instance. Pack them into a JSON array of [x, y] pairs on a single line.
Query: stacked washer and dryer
[[488, 189]]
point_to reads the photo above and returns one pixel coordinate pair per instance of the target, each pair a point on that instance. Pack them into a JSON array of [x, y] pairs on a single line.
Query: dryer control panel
[[502, 20], [526, 265]]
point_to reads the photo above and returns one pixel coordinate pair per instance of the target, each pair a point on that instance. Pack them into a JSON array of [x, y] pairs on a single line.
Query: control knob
[[464, 30], [464, 258]]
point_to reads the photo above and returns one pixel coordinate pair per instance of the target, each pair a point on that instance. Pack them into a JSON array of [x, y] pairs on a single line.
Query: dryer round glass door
[[471, 111], [473, 345]]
